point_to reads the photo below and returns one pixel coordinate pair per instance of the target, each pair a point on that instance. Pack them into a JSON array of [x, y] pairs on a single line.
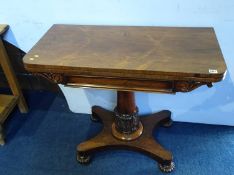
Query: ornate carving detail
[[54, 77], [186, 86], [167, 168], [126, 123]]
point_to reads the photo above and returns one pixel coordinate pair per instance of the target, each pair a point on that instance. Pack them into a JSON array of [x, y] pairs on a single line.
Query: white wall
[[29, 20]]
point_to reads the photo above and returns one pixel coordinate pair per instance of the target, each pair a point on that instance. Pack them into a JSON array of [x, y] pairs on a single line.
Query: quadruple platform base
[[145, 143]]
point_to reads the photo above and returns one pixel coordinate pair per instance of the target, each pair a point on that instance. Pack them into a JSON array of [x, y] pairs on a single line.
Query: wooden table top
[[137, 52]]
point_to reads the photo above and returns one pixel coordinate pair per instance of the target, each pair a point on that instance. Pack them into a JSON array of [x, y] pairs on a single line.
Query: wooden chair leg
[[2, 136], [11, 78]]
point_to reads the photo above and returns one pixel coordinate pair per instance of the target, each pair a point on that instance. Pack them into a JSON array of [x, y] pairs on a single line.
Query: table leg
[[124, 129]]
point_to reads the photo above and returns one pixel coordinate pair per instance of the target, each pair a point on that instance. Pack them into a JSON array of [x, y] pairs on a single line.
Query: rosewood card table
[[128, 59]]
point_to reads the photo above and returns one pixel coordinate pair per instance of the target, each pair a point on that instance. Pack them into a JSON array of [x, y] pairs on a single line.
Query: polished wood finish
[[129, 136], [153, 85], [128, 58], [152, 59], [145, 144], [126, 102], [129, 52], [9, 102], [120, 84]]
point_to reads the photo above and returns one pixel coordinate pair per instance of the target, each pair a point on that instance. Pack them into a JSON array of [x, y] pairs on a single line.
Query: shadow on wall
[[204, 105], [9, 36], [216, 108], [80, 100], [104, 98]]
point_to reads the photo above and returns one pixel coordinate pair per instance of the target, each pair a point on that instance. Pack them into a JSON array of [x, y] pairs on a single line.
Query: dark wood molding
[[53, 77], [186, 86], [160, 86]]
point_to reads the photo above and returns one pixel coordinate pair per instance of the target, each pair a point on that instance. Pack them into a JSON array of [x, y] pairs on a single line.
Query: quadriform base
[[144, 143]]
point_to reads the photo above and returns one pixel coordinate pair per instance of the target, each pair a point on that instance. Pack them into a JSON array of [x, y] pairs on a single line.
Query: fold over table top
[[148, 53]]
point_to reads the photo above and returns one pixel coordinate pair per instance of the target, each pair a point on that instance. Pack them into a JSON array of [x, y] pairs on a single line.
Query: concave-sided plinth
[[124, 129]]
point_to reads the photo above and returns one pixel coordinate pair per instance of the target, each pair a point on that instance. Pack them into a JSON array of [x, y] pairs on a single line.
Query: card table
[[127, 59]]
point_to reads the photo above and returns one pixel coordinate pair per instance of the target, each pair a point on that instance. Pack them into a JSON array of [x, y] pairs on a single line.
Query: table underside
[[186, 84]]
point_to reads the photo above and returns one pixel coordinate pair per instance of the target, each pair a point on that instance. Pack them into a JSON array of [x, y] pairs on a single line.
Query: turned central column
[[127, 125]]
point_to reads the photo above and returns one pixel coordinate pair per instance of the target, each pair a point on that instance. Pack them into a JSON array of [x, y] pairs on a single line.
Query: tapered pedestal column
[[124, 129]]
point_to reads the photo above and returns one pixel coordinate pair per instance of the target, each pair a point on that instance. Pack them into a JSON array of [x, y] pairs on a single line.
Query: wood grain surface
[[162, 53]]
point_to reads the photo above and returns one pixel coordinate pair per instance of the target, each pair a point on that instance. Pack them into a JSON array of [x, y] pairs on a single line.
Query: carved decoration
[[53, 77], [186, 86], [126, 123]]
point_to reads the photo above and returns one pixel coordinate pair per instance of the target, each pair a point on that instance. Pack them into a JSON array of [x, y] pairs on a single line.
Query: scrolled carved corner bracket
[[186, 86], [53, 77]]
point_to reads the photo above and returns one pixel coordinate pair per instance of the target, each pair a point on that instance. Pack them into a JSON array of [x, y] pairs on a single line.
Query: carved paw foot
[[167, 168]]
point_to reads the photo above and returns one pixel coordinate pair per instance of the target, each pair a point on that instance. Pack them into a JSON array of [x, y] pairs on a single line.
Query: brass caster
[[167, 168], [83, 158]]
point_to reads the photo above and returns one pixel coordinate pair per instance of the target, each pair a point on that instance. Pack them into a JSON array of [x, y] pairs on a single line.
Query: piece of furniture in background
[[8, 102], [127, 59], [26, 79]]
